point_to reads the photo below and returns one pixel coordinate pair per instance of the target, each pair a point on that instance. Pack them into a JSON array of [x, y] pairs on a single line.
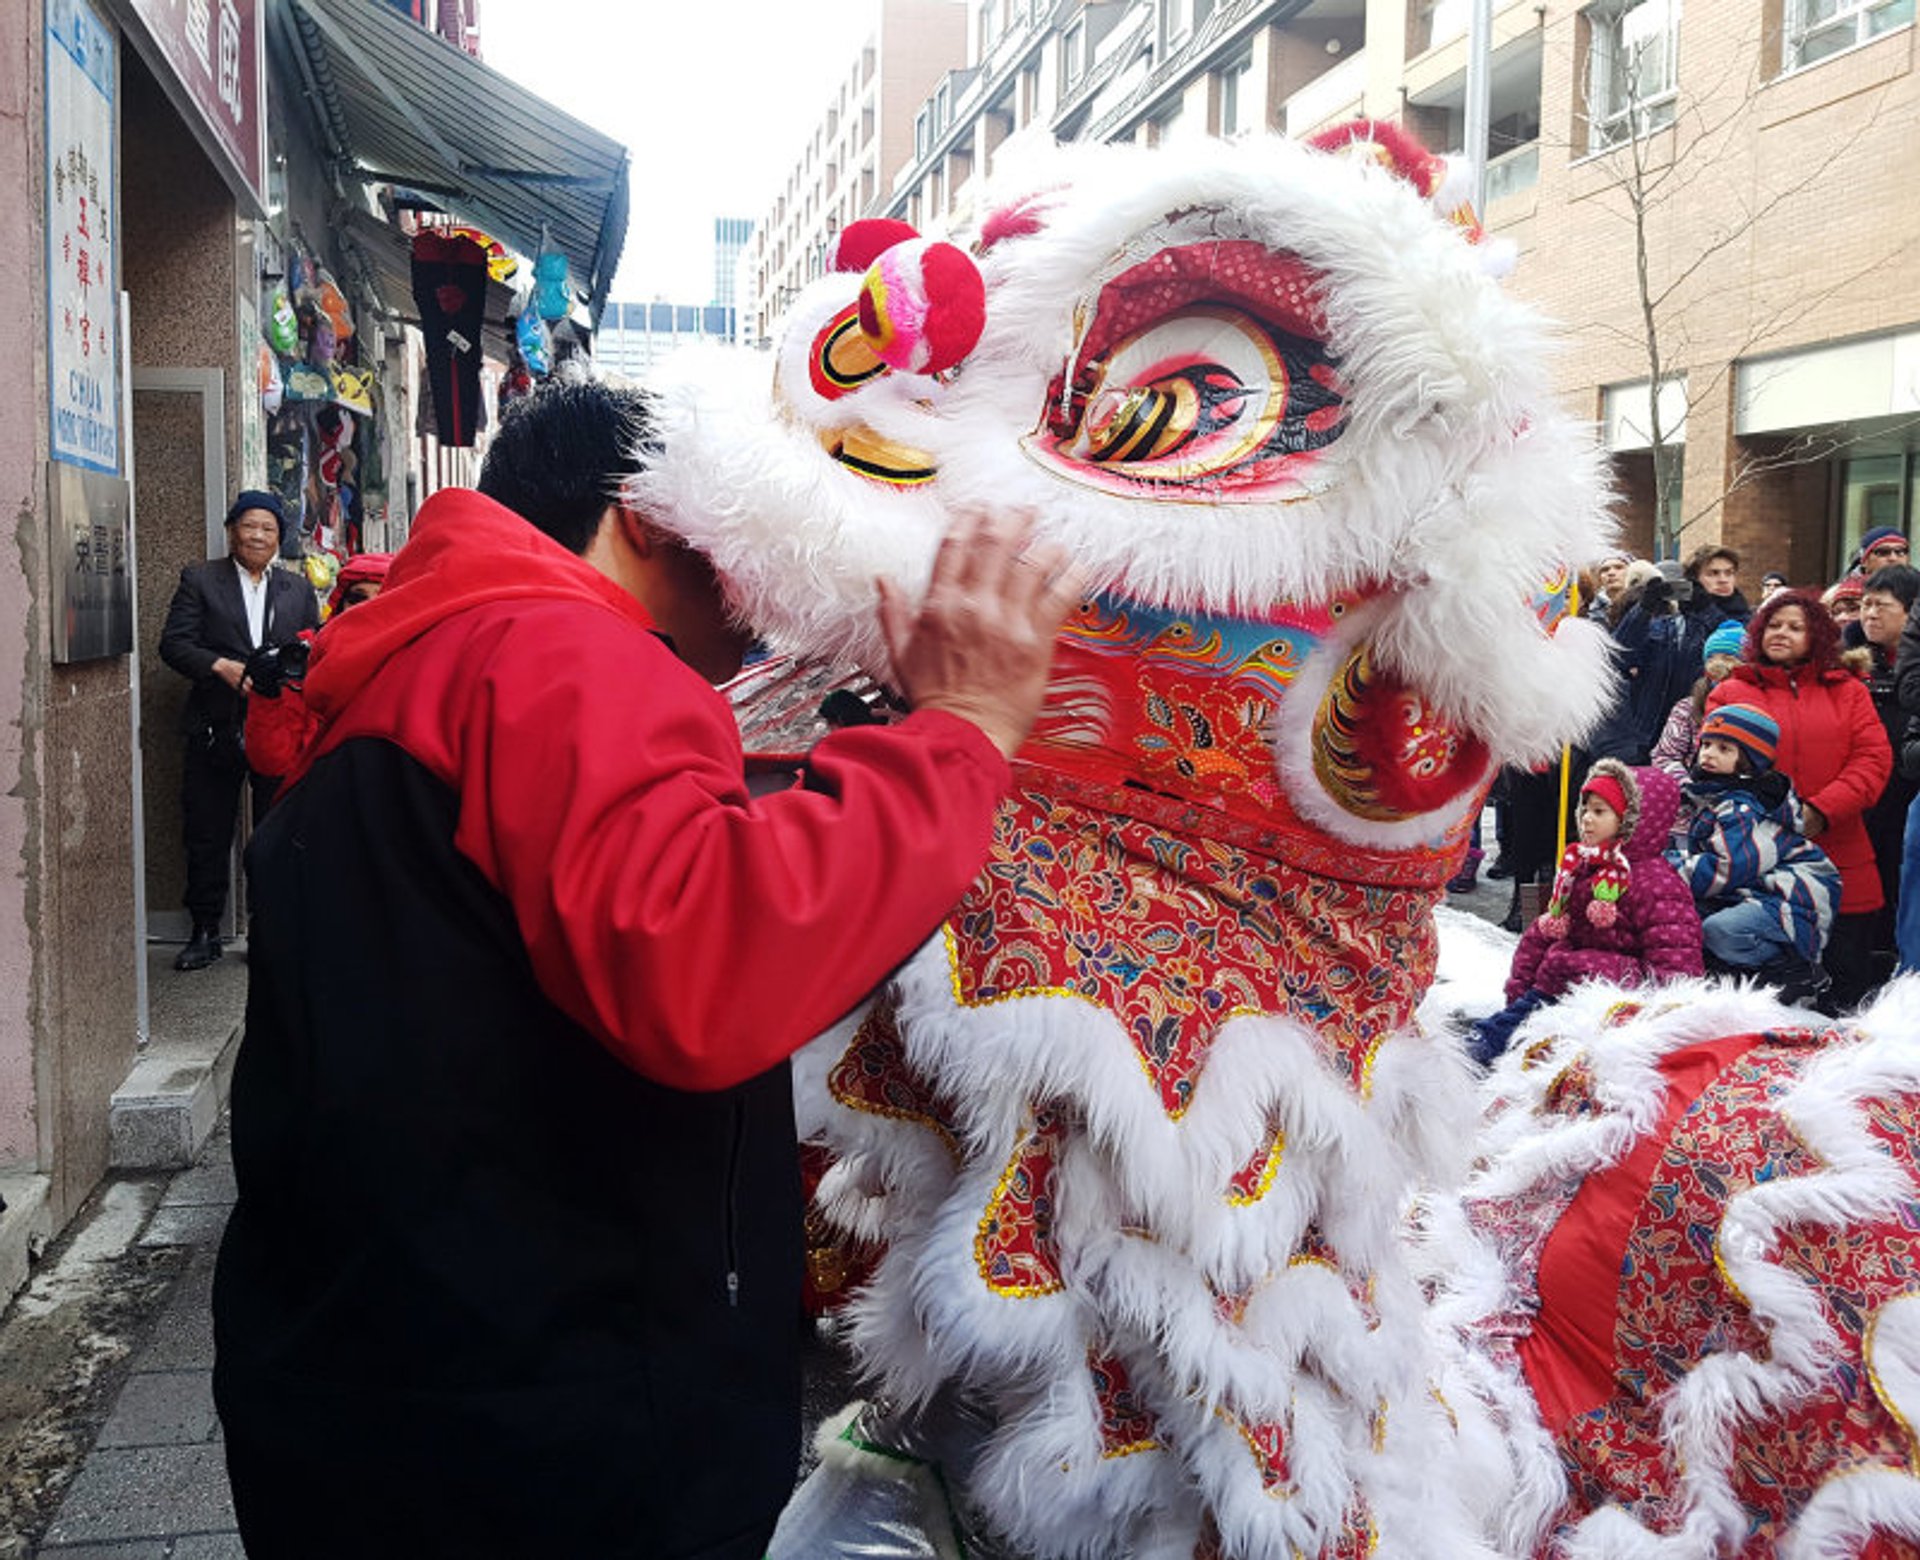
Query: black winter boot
[[201, 950]]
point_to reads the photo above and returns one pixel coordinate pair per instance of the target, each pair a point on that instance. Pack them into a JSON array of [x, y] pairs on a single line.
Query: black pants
[[1849, 960], [210, 784]]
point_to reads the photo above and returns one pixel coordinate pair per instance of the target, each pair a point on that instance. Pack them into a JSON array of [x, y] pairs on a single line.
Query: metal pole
[[1479, 69]]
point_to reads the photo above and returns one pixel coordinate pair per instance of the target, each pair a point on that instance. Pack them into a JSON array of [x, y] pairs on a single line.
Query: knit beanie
[[1879, 533], [1753, 731], [1726, 639]]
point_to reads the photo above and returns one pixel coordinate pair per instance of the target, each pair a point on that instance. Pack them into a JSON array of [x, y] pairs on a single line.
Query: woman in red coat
[[1833, 748]]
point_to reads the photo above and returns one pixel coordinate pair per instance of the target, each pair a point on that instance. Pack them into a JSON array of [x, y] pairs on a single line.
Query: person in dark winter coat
[[1886, 599], [1713, 570], [1833, 750], [1766, 894], [1618, 910]]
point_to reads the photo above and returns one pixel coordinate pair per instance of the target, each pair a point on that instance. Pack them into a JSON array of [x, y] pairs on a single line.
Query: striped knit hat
[[1753, 731], [1726, 639]]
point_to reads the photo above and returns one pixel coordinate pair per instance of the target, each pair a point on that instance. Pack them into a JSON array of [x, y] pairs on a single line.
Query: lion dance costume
[[1150, 1141]]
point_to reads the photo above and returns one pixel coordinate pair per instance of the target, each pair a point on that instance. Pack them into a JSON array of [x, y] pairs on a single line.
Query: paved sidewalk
[[154, 1487]]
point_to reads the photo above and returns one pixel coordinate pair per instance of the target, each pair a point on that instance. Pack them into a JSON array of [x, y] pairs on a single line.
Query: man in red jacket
[[515, 1265]]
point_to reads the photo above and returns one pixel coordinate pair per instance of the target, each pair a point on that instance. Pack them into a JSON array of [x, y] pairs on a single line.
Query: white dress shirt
[[254, 592]]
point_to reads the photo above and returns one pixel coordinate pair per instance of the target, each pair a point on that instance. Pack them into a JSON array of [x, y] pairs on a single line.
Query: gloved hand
[[272, 667]]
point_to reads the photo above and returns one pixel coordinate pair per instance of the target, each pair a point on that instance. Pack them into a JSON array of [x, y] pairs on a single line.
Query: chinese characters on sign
[[92, 584], [83, 356], [212, 47]]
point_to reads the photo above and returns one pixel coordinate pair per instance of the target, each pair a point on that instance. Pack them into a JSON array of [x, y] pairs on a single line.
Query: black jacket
[[487, 1291], [207, 620]]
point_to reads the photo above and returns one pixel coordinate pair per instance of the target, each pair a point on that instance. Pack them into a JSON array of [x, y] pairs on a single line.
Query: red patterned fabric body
[[1634, 1295], [1174, 934]]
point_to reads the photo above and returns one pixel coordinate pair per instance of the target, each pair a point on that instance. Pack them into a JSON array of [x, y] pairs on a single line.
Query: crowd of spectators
[[1792, 727]]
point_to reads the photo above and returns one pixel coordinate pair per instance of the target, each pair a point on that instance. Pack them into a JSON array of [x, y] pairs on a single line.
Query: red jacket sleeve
[[1863, 773], [277, 729], [704, 936]]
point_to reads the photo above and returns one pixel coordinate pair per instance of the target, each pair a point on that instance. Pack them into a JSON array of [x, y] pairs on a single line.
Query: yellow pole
[[1566, 752]]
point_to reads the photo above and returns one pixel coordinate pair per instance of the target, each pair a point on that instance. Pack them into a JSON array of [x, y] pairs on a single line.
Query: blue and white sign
[[83, 350]]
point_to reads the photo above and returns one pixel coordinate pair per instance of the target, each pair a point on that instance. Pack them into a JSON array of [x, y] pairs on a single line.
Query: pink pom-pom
[[1603, 912], [923, 306], [1553, 927]]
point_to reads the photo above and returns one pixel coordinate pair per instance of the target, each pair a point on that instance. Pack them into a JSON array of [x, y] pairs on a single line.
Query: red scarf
[[1613, 876]]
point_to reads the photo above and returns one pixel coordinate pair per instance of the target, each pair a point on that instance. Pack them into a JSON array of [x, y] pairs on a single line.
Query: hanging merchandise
[[331, 304], [322, 343], [335, 429], [501, 262], [353, 389], [287, 461], [282, 328], [530, 336], [267, 378], [450, 291], [322, 569], [552, 289]]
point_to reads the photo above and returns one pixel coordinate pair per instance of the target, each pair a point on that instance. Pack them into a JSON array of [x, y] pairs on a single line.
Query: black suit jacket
[[207, 621]]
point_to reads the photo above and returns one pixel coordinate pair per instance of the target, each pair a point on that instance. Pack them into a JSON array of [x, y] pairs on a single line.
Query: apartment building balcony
[[1334, 96]]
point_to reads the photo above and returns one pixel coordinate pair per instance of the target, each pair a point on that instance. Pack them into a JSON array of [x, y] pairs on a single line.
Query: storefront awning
[[402, 106]]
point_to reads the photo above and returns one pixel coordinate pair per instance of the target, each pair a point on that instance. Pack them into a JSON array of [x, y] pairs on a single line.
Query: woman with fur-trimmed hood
[[1835, 752], [1618, 910]]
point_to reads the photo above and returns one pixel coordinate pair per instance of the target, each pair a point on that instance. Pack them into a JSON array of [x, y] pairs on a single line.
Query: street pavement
[[153, 1486]]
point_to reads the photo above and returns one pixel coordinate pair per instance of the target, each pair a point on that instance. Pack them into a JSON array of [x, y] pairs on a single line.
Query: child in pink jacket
[[1618, 911]]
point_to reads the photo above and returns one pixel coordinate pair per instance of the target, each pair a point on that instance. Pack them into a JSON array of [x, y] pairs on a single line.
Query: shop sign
[[83, 347], [213, 50], [92, 580]]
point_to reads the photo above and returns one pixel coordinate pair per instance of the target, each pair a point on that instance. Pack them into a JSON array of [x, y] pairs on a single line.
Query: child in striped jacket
[[1767, 895]]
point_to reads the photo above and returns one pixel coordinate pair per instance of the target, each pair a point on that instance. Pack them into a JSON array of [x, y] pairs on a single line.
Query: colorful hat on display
[[1727, 639], [1753, 731]]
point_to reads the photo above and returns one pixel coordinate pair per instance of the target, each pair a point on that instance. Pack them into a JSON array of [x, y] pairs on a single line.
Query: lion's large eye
[[1208, 397], [1200, 374]]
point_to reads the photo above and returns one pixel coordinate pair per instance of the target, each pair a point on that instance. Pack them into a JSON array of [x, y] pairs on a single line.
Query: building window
[[1817, 29], [942, 108], [1436, 22], [1073, 54], [1179, 22], [1238, 106], [1632, 69], [922, 133]]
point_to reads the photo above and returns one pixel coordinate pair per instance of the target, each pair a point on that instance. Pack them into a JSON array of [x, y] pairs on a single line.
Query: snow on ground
[[1475, 955]]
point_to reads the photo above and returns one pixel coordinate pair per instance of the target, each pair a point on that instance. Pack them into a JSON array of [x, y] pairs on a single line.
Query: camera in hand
[[272, 667]]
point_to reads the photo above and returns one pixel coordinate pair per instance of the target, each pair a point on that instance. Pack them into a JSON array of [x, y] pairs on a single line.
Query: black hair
[[561, 455], [1898, 580]]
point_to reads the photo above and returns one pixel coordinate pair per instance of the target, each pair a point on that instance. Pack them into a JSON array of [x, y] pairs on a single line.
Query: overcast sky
[[713, 100]]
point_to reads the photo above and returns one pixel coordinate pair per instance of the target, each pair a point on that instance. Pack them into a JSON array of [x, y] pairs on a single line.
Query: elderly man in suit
[[222, 611]]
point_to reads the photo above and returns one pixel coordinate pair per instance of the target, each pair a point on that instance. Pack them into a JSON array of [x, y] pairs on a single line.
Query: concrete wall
[[22, 633], [67, 964]]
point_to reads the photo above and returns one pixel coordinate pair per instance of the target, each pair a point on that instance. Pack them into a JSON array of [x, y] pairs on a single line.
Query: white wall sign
[[83, 348]]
